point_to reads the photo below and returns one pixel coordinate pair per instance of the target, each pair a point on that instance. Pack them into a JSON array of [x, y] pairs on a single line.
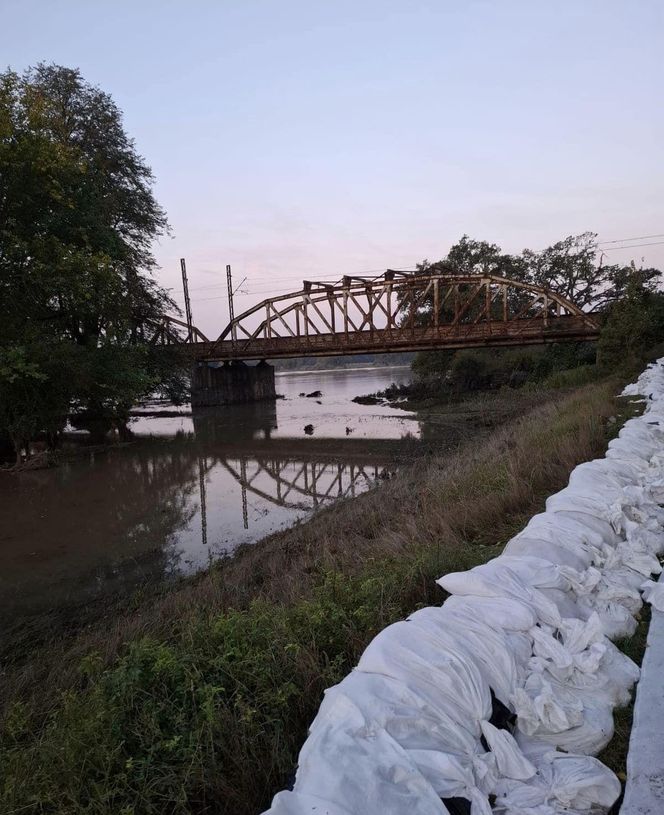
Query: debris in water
[[309, 429]]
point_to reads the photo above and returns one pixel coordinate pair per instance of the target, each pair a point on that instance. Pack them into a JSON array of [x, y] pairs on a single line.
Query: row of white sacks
[[525, 642]]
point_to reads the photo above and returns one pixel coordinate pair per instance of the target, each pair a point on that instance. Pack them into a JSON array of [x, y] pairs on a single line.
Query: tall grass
[[198, 701], [572, 377]]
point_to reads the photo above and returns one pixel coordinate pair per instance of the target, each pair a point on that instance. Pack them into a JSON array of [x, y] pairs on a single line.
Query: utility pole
[[187, 301], [231, 314]]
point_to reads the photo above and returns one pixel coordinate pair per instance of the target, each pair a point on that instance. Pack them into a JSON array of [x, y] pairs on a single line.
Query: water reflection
[[297, 484], [166, 506], [235, 423]]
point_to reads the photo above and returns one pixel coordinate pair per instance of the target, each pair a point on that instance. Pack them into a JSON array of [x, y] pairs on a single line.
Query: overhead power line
[[257, 280], [206, 299], [299, 277], [637, 238], [242, 294], [632, 246]]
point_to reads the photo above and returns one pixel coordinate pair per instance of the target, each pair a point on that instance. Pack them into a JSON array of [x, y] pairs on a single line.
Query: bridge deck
[[384, 341]]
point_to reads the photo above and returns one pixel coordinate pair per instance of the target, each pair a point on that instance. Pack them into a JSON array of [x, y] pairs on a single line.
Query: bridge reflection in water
[[301, 475], [166, 505], [295, 484]]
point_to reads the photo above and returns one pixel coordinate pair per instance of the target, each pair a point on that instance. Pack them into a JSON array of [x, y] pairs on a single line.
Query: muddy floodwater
[[192, 488]]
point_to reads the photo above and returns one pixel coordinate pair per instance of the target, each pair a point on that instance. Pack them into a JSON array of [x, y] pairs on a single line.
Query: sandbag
[[578, 557], [362, 771], [565, 718], [297, 803], [443, 678], [484, 646], [499, 613], [500, 581], [564, 784], [413, 721], [653, 593], [429, 713]]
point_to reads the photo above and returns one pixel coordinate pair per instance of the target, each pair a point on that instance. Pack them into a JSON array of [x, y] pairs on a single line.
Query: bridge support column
[[231, 383]]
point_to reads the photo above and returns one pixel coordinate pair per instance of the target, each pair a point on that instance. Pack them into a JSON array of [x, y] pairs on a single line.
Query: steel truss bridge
[[398, 311]]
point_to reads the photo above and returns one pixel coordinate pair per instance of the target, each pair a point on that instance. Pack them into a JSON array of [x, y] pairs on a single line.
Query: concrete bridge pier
[[231, 383]]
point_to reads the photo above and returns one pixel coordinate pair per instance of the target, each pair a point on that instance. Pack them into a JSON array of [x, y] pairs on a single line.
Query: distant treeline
[[355, 361]]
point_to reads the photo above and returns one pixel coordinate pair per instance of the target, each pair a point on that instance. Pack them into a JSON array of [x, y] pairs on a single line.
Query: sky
[[307, 139]]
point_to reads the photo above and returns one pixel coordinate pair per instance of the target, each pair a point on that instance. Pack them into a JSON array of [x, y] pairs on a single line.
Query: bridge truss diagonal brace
[[386, 313]]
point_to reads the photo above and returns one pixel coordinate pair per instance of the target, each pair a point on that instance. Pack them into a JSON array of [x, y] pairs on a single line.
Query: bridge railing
[[517, 332]]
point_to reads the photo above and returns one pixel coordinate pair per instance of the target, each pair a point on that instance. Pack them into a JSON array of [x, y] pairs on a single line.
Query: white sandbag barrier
[[496, 701]]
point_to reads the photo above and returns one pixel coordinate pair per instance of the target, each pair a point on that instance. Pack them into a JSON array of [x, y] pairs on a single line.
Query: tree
[[635, 325], [77, 221], [619, 279], [466, 258], [568, 267]]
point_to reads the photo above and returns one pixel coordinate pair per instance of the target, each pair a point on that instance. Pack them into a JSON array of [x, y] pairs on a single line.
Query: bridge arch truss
[[398, 311]]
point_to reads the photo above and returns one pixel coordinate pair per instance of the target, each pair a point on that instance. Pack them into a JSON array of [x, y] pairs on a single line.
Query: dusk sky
[[315, 139]]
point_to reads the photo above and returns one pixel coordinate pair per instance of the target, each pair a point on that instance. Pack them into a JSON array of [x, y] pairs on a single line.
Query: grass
[[198, 700], [573, 377]]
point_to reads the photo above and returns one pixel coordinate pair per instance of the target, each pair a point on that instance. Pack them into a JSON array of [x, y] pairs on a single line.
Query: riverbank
[[141, 517], [424, 393], [438, 431], [198, 699]]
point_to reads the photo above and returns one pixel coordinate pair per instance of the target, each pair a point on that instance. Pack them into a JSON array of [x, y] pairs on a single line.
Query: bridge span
[[397, 311]]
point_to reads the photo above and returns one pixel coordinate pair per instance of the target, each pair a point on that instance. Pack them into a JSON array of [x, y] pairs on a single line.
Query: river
[[192, 488]]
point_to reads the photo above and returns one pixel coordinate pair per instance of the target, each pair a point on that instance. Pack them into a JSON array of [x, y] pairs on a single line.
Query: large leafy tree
[[78, 218], [635, 324], [466, 258], [569, 267]]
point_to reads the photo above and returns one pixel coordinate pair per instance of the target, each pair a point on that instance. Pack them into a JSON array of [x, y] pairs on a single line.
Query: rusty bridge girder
[[359, 315]]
